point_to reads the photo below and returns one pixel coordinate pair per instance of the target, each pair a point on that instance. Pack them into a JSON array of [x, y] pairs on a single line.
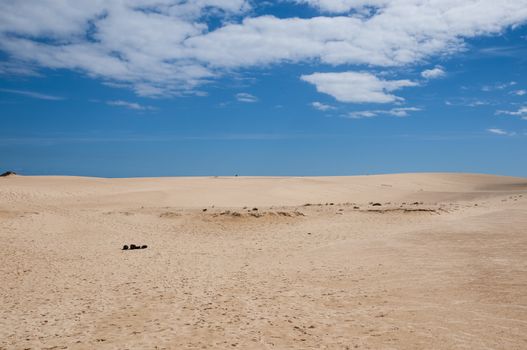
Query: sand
[[272, 263]]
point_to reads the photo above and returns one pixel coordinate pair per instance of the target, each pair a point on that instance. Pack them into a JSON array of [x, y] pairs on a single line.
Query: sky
[[133, 88]]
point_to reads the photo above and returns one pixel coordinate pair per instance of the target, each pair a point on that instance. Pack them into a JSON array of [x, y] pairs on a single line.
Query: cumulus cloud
[[130, 105], [321, 106], [433, 73], [33, 94], [167, 47], [357, 87], [519, 92], [245, 97], [404, 32], [135, 43], [396, 112]]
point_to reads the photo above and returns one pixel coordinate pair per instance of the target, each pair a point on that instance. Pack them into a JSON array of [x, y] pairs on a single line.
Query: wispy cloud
[[90, 138], [33, 94], [130, 105], [500, 132], [11, 68], [396, 112], [321, 106], [246, 97], [521, 112], [520, 92], [498, 86], [504, 51], [467, 102]]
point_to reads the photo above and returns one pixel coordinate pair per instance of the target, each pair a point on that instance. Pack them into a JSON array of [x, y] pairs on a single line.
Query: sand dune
[[404, 261]]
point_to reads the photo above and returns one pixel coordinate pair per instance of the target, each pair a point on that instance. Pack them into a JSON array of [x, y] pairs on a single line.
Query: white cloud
[[500, 132], [361, 114], [396, 112], [498, 86], [357, 87], [166, 47], [130, 105], [33, 94], [342, 6], [245, 97], [477, 103], [404, 32], [402, 112], [136, 43], [433, 73], [521, 112], [321, 106], [467, 102], [519, 92], [11, 68]]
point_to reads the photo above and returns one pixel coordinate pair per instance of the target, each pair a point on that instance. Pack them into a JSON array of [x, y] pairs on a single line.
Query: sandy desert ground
[[264, 263]]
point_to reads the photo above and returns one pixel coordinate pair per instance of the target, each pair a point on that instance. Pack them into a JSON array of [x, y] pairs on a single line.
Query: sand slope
[[441, 263]]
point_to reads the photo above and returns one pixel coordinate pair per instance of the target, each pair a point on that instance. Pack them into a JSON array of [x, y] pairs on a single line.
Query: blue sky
[[222, 87]]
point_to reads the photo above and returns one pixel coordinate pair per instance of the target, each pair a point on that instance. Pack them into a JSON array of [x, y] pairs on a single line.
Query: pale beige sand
[[447, 273]]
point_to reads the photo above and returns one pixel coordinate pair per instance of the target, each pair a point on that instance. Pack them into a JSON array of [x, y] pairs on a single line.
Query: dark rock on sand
[[134, 247]]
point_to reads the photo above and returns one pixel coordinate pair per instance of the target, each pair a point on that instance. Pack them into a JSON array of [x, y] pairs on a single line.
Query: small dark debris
[[376, 204], [255, 209], [134, 247], [204, 210]]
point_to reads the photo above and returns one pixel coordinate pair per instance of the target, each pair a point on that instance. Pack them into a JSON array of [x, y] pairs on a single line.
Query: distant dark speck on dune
[[8, 173]]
